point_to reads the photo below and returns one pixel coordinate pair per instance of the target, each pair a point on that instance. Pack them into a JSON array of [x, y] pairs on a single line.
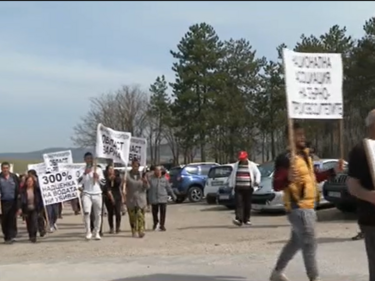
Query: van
[[217, 177]]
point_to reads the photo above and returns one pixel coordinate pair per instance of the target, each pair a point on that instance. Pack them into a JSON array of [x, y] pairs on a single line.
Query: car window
[[174, 171], [220, 172], [266, 169], [328, 165], [192, 170], [205, 169]]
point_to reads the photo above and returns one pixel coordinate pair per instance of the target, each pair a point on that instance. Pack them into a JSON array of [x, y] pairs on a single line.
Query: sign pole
[[291, 141]]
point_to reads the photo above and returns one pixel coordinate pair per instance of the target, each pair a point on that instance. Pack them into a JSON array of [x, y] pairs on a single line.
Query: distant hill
[[78, 153]]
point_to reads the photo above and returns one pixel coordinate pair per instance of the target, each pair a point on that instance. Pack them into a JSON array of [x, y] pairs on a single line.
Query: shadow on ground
[[177, 277], [331, 215], [215, 208], [227, 226], [321, 240]]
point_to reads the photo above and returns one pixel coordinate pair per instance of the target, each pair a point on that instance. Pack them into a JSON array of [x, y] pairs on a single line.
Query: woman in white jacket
[[244, 178]]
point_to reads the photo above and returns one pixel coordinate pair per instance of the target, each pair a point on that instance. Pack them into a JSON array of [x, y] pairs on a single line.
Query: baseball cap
[[242, 155]]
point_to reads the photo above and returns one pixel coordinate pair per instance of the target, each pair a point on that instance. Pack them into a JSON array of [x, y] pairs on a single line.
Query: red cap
[[242, 155]]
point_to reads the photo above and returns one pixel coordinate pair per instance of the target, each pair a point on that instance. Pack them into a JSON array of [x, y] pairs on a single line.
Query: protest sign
[[313, 85], [111, 144], [75, 169], [138, 149], [11, 167], [57, 187], [53, 159], [369, 146], [39, 168]]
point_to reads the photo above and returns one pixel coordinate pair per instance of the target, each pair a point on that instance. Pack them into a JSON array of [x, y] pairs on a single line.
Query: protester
[[32, 209], [60, 210], [113, 198], [244, 178], [298, 179], [158, 196], [92, 181], [10, 202], [360, 185], [136, 199], [53, 214]]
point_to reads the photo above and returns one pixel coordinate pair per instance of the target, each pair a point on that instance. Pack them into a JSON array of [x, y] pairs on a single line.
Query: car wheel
[[195, 194], [346, 208], [211, 200], [179, 200]]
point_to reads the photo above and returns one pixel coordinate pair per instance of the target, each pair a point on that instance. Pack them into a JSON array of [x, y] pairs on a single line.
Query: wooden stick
[[47, 219], [341, 138], [291, 141]]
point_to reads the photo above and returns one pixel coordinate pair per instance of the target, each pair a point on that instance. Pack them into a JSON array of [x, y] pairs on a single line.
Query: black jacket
[[38, 201]]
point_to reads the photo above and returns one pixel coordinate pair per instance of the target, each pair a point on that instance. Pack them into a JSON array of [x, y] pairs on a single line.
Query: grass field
[[20, 166]]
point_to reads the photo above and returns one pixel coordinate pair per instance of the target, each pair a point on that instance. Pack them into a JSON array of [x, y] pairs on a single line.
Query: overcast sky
[[55, 55]]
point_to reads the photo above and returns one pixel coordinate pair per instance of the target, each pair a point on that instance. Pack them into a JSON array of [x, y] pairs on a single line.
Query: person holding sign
[[361, 185], [92, 180], [113, 198], [32, 208], [298, 179], [136, 201]]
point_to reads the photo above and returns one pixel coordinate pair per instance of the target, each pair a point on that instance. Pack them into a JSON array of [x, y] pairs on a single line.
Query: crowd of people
[[100, 192]]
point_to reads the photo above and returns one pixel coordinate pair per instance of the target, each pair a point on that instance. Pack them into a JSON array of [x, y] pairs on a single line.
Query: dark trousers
[[243, 203], [34, 223], [53, 213], [9, 219], [113, 210], [369, 235], [162, 207], [92, 219]]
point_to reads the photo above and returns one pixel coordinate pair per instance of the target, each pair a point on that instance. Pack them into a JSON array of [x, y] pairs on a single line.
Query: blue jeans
[[53, 213]]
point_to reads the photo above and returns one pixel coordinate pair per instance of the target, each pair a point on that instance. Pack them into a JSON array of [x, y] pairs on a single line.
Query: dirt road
[[192, 229]]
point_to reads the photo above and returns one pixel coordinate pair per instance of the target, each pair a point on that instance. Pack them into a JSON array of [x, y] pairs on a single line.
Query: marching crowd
[[294, 174], [137, 190]]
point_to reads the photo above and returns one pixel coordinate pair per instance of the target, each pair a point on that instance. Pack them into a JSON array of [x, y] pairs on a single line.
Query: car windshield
[[220, 172], [266, 169]]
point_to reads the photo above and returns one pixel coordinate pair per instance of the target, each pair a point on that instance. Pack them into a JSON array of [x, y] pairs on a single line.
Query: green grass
[[20, 166]]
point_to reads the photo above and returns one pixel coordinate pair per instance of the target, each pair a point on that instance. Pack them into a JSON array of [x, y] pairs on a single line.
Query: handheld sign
[[53, 159], [111, 144], [39, 168], [138, 150], [369, 146], [57, 187], [313, 84], [76, 170]]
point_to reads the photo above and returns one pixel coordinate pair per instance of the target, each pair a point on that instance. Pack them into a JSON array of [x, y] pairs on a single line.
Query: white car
[[217, 177], [266, 199]]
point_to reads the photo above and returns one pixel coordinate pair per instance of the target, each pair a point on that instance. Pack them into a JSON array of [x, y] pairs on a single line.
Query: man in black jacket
[[10, 202]]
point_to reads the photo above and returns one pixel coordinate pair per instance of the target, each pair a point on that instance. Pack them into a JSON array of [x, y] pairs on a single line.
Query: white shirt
[[89, 185], [255, 175]]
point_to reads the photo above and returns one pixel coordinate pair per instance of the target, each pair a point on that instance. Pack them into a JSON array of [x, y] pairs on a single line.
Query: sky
[[54, 56]]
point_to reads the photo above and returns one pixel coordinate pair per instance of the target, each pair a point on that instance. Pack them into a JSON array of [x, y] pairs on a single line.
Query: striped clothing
[[243, 179]]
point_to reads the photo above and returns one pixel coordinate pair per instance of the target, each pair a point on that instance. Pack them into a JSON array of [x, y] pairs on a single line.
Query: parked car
[[188, 181], [266, 199], [218, 176], [336, 191]]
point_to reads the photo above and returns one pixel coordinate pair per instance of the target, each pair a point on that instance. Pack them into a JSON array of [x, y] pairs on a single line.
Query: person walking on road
[[298, 179], [244, 178], [92, 182], [113, 198], [360, 185], [158, 193], [136, 199], [10, 203], [32, 209]]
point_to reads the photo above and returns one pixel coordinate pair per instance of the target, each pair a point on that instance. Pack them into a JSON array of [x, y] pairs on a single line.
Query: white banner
[[313, 85], [111, 144], [39, 168], [138, 149], [75, 169], [58, 187], [11, 167], [53, 159]]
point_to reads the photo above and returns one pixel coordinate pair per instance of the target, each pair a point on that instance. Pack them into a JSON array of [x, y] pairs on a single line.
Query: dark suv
[[336, 191], [188, 181]]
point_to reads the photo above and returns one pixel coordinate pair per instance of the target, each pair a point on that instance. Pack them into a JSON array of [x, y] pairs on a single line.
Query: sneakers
[[278, 276], [248, 223], [162, 228], [55, 226], [111, 231], [89, 236], [51, 230], [97, 236], [237, 222]]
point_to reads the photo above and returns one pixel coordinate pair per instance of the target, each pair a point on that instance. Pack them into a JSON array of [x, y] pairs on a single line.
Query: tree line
[[225, 98]]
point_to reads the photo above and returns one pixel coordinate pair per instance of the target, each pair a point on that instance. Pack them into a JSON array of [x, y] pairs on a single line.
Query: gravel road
[[192, 229]]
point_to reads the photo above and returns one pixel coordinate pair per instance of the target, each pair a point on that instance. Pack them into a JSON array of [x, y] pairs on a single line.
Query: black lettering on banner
[[318, 109], [111, 147]]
